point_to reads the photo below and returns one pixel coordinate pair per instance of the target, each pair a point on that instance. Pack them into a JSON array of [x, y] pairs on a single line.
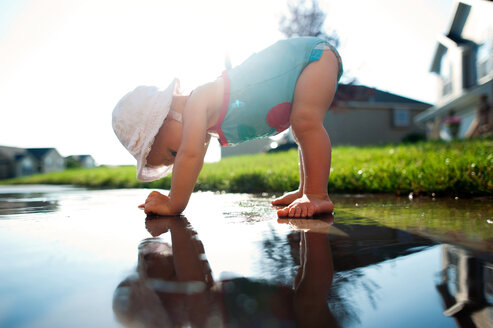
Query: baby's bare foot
[[287, 198], [307, 205]]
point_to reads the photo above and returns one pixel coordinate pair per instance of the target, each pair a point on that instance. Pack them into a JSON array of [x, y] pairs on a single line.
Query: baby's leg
[[313, 95]]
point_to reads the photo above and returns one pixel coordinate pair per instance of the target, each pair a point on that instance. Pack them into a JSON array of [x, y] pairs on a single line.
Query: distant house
[[249, 147], [48, 159], [359, 115], [86, 161], [15, 162], [463, 63]]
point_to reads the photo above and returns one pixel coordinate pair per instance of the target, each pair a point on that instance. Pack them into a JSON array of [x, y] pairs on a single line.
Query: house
[[463, 64], [86, 161], [359, 115], [249, 147], [48, 159], [16, 162]]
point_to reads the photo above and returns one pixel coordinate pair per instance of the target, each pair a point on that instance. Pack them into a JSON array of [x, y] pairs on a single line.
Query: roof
[[14, 152], [460, 101], [350, 93], [39, 153], [453, 36]]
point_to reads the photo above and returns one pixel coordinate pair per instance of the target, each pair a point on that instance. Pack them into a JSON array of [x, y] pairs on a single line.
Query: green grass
[[459, 168]]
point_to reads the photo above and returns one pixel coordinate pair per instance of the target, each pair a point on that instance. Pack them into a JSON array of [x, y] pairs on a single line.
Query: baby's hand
[[157, 203]]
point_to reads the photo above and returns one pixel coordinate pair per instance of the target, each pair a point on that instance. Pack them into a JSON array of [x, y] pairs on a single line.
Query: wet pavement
[[72, 257]]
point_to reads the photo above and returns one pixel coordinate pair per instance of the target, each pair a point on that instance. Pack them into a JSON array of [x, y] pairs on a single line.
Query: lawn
[[458, 168]]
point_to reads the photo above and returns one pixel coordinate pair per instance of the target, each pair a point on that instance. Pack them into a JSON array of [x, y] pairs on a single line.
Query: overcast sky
[[64, 64]]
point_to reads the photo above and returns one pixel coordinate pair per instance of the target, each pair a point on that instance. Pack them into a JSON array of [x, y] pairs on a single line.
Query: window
[[402, 118], [446, 74], [484, 59], [26, 167]]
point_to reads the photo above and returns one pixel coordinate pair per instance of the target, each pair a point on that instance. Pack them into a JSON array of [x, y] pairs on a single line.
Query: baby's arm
[[189, 158]]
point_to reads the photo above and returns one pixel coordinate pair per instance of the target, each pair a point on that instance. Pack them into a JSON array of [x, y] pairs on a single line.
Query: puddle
[[90, 258]]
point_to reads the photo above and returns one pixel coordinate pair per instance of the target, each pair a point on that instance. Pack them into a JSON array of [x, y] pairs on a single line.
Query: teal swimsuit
[[259, 92]]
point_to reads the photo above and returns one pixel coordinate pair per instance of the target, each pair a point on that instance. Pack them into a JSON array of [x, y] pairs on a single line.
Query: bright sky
[[64, 64]]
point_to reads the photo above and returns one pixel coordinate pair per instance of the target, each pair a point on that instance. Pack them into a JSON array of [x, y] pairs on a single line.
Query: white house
[[463, 64]]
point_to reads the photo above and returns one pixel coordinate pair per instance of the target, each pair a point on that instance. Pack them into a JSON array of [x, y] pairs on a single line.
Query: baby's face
[[166, 143]]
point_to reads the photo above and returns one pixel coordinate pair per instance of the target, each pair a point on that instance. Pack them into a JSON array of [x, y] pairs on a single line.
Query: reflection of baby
[[291, 83], [170, 287], [173, 287], [134, 301]]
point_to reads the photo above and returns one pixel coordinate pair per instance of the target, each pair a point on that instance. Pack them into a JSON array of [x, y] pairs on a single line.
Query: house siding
[[367, 126], [25, 166], [248, 147], [454, 61], [6, 167], [52, 162], [88, 162]]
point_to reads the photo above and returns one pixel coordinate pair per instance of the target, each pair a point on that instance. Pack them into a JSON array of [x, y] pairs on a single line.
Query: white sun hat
[[137, 118]]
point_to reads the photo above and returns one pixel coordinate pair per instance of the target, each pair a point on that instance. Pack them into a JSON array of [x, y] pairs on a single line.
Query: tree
[[306, 20], [72, 163]]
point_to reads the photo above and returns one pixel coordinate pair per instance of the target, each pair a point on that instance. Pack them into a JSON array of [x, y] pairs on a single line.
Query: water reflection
[[466, 287], [26, 203], [356, 247], [456, 221], [29, 199], [318, 274], [380, 263], [173, 286]]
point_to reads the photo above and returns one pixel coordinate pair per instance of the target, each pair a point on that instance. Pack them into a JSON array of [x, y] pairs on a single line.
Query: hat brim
[[159, 109]]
